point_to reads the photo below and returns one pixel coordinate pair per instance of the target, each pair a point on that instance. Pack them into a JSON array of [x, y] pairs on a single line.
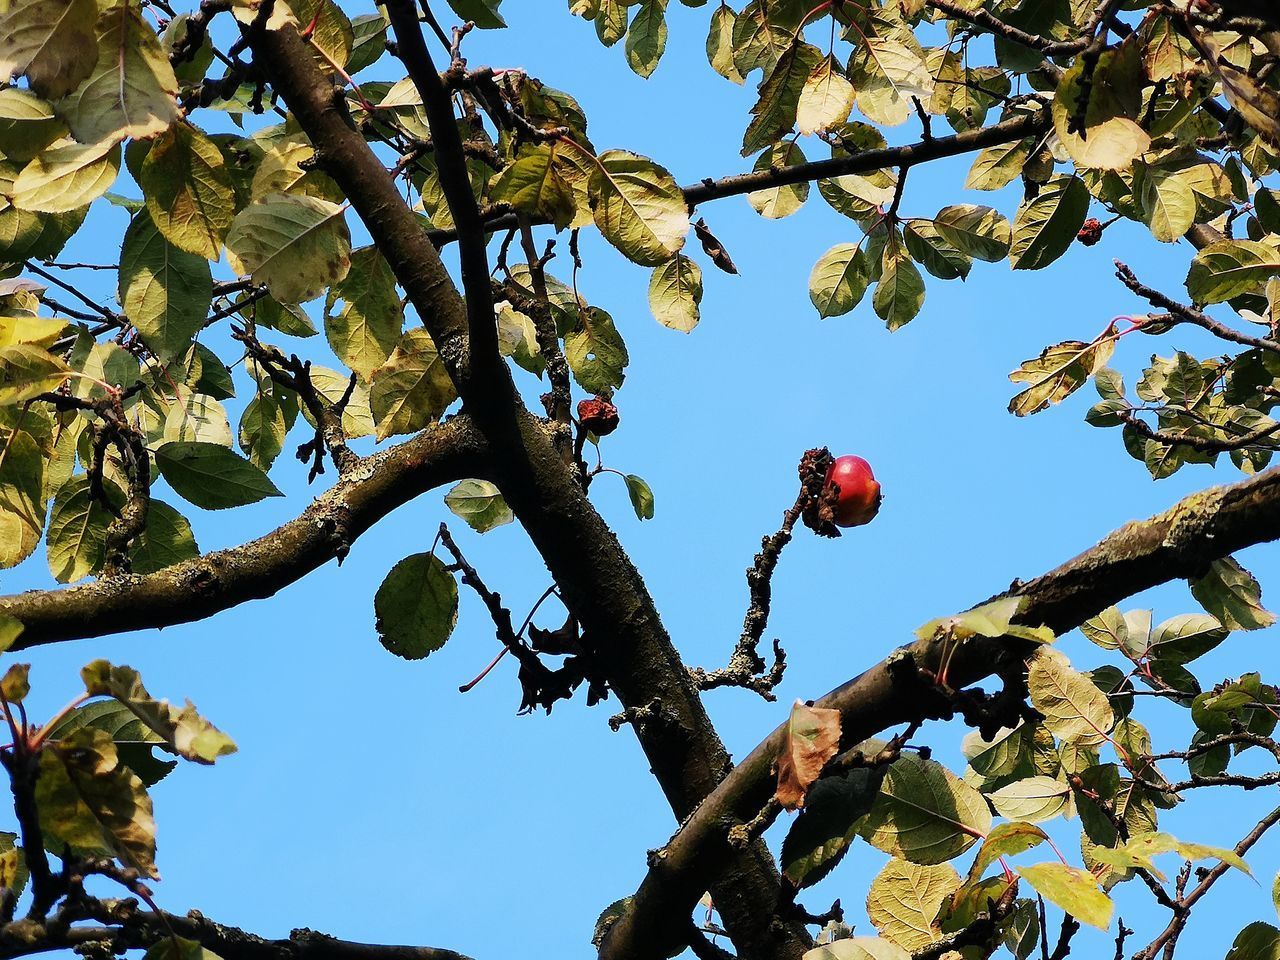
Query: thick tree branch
[[1181, 542], [598, 582], [138, 930], [455, 180], [199, 588]]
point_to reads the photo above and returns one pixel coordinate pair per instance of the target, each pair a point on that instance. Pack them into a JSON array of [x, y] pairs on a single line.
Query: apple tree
[[249, 141]]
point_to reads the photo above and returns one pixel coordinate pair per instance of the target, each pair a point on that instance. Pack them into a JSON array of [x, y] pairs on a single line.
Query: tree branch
[[908, 155], [599, 584], [139, 930], [1179, 921], [1180, 542], [201, 587], [1181, 313], [455, 180]]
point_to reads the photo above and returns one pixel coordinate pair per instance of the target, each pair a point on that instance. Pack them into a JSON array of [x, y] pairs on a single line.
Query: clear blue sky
[[370, 800]]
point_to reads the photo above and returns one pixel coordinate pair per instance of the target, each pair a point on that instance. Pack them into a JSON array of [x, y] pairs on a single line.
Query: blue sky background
[[370, 800]]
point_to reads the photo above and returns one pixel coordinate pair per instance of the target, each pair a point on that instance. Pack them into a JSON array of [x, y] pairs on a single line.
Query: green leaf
[[858, 948], [647, 37], [1183, 638], [366, 328], [839, 280], [1074, 890], [91, 803], [479, 503], [1140, 849], [595, 351], [178, 948], [1167, 201], [13, 864], [357, 418], [1257, 941], [1034, 799], [1257, 103], [22, 498], [1073, 708], [1230, 593], [998, 166], [905, 899], [262, 430], [295, 245], [899, 294], [1107, 629], [77, 533], [611, 21], [675, 291], [774, 113], [483, 13], [134, 740], [167, 539], [416, 607], [211, 476], [933, 251], [27, 124], [534, 184], [720, 47], [165, 291], [131, 92], [1005, 840], [924, 813], [887, 74], [188, 190], [368, 41], [518, 339], [638, 207], [1110, 90], [827, 825], [774, 203], [26, 371], [51, 42], [1058, 372], [67, 178], [1224, 270], [979, 232], [184, 731], [412, 389], [289, 166], [641, 496], [10, 631], [1047, 225], [826, 98]]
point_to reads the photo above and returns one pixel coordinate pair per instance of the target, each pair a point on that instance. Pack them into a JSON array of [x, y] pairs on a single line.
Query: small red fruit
[[598, 415], [858, 497]]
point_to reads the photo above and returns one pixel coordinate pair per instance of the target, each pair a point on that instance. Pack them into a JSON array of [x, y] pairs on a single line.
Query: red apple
[[858, 497]]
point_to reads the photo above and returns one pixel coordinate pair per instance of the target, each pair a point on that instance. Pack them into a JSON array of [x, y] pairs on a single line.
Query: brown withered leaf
[[813, 738], [713, 248]]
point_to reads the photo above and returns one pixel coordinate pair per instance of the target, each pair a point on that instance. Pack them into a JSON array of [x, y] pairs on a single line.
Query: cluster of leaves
[[259, 199], [85, 772], [1170, 123], [1137, 128], [1078, 754]]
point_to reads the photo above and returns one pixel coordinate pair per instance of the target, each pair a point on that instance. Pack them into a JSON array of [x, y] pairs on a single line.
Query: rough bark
[[597, 580], [203, 586]]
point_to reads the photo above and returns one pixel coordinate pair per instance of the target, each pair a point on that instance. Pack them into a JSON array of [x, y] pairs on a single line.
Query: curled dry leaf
[[813, 737]]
